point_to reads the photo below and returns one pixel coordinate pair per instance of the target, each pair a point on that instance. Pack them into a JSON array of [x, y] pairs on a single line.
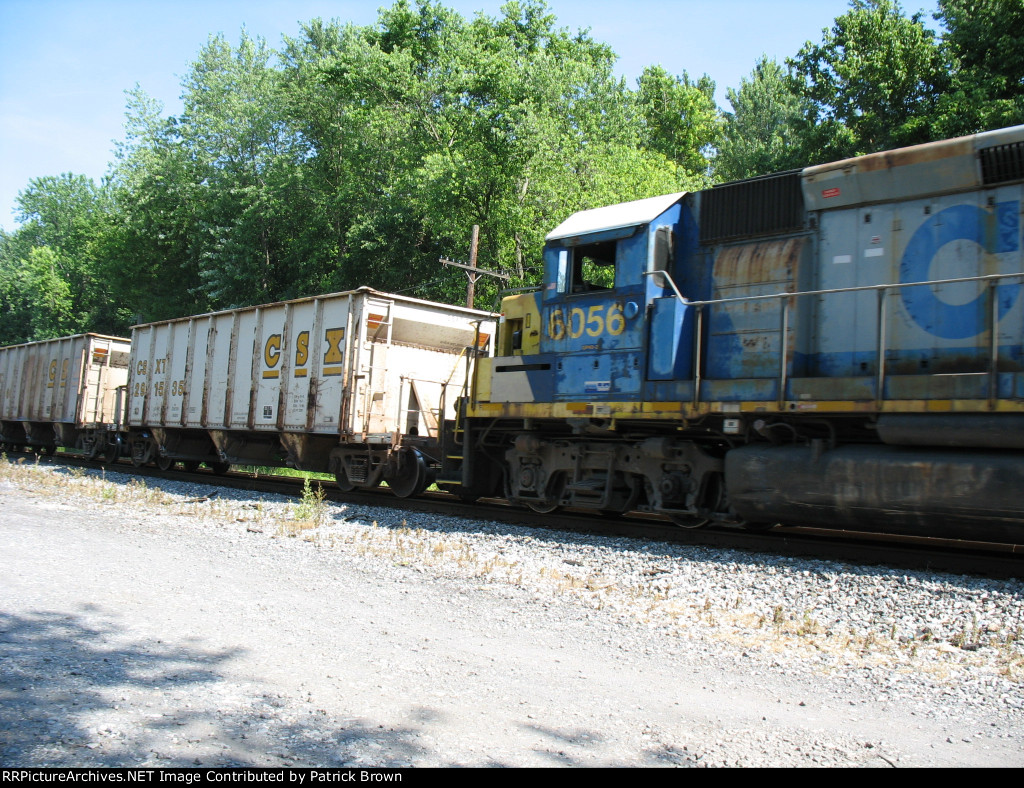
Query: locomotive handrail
[[883, 290], [672, 284], [858, 288]]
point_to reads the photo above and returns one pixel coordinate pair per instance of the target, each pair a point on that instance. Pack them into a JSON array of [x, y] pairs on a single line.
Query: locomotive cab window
[[587, 269]]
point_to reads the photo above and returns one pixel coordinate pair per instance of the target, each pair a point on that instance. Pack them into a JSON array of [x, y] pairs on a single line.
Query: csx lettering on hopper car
[[840, 344]]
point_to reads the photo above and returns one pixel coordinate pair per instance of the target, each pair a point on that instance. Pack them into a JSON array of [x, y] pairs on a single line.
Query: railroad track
[[902, 552]]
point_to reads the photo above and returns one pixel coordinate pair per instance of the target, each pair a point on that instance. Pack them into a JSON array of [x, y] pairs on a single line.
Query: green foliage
[[680, 119], [50, 278], [984, 47], [763, 132], [870, 83], [312, 507], [427, 124]]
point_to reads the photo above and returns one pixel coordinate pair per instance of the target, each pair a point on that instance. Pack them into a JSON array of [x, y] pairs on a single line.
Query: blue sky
[[65, 64]]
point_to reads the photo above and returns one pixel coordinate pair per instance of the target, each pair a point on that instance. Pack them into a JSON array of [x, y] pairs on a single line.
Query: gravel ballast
[[173, 624]]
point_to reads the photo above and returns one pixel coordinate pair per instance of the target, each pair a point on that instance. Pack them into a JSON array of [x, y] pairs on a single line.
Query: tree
[[50, 280], [425, 124], [234, 128], [149, 250], [984, 49], [680, 118], [763, 133], [871, 82]]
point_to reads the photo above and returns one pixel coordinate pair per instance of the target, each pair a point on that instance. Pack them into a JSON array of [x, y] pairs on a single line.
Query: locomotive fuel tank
[[919, 491]]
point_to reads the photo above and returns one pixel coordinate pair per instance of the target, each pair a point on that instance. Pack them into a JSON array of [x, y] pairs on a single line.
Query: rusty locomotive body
[[842, 344]]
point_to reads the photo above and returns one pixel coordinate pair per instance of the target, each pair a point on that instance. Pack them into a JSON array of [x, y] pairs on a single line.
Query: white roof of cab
[[613, 217]]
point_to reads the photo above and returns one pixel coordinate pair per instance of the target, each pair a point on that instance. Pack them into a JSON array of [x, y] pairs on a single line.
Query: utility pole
[[472, 272]]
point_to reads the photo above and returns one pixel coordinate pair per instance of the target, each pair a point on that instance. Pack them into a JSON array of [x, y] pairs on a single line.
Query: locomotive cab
[[608, 272]]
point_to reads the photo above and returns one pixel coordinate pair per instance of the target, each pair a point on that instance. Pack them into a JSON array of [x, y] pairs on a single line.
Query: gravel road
[[196, 626]]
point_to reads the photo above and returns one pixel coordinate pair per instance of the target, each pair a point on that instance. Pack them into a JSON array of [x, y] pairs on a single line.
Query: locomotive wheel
[[219, 468], [164, 463], [712, 500], [413, 476], [688, 521], [552, 501], [342, 480], [542, 507]]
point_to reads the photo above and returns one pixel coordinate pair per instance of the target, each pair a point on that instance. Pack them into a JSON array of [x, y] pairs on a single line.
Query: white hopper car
[[358, 384], [62, 392]]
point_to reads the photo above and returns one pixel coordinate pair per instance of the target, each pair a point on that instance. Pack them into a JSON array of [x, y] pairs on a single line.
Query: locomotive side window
[[587, 268]]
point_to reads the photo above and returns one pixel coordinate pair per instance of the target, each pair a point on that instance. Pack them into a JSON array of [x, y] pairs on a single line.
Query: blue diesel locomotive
[[837, 345]]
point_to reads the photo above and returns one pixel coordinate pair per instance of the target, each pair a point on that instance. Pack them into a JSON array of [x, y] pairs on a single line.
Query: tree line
[[359, 155]]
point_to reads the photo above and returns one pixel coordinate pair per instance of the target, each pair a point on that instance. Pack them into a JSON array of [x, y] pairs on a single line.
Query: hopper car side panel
[[358, 382], [59, 392]]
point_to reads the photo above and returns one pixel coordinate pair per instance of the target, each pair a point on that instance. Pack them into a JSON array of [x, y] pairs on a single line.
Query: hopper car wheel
[[142, 454], [413, 478], [191, 466], [164, 463], [342, 480], [220, 468], [110, 454]]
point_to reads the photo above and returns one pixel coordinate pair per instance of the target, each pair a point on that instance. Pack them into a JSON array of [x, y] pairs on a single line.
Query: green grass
[[262, 470]]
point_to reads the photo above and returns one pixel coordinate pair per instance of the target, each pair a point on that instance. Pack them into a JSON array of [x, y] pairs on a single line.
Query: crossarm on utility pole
[[472, 272]]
